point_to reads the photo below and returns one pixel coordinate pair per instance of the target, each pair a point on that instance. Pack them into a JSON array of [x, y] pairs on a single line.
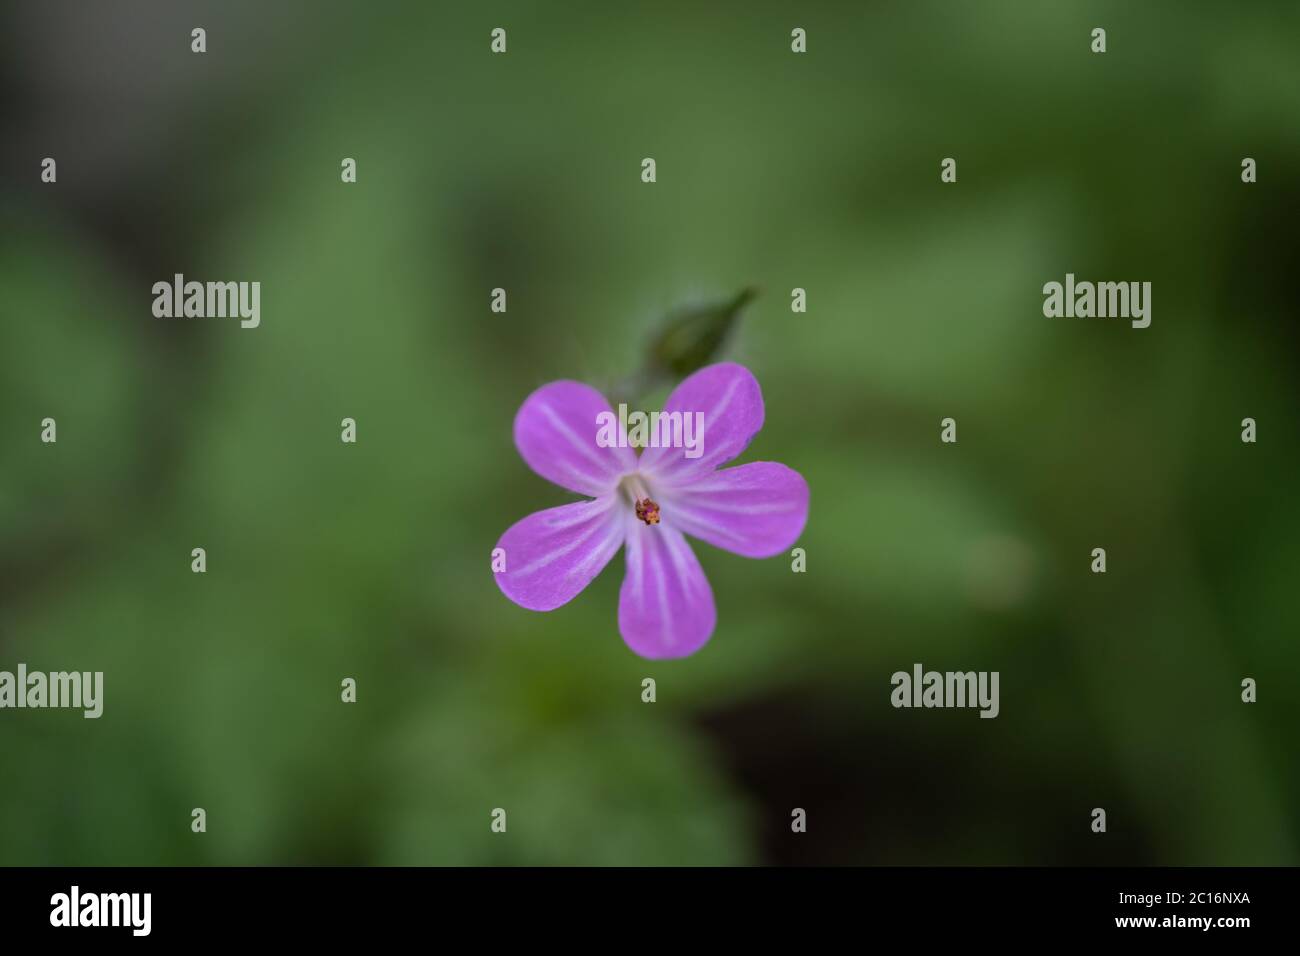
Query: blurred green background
[[522, 171]]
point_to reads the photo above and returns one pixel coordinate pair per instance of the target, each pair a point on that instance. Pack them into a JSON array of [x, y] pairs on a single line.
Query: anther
[[647, 511]]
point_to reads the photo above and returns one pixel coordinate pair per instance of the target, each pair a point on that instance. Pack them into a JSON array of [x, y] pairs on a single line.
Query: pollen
[[647, 511]]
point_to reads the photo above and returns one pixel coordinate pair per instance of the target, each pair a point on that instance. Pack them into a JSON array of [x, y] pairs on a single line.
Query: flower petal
[[732, 404], [555, 432], [665, 608], [552, 555], [756, 510]]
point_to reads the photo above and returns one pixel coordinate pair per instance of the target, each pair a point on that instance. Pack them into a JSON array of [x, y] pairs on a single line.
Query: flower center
[[647, 511], [643, 505]]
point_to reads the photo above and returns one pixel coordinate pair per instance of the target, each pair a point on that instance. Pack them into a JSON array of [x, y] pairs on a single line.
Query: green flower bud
[[692, 338]]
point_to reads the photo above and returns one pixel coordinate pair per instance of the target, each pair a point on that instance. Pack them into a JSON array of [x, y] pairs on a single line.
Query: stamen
[[646, 508], [647, 511]]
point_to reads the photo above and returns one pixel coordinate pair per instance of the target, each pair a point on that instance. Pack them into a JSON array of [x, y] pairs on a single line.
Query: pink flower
[[648, 503]]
